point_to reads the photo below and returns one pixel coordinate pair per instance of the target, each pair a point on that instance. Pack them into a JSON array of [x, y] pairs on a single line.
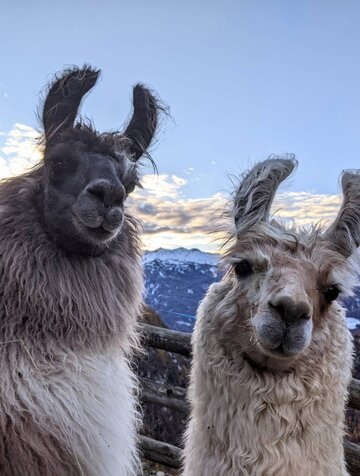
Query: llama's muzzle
[[282, 333]]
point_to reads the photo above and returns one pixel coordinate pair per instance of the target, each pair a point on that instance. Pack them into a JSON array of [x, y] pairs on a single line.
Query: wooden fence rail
[[160, 452], [172, 341], [175, 398], [166, 395]]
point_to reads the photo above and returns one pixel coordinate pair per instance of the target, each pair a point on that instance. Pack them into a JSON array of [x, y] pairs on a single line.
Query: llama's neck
[[50, 297]]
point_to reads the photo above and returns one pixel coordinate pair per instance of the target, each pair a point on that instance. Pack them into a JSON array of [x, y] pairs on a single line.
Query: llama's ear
[[142, 126], [63, 99], [344, 233], [257, 189]]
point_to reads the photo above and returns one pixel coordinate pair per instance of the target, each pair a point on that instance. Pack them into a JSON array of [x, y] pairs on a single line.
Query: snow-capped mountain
[[177, 280], [181, 255]]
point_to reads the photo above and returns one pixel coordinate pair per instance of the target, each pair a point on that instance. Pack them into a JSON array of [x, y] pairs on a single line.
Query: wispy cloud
[[171, 219]]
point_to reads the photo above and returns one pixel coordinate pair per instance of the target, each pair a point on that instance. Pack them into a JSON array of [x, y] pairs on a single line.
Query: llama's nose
[[291, 309], [110, 192]]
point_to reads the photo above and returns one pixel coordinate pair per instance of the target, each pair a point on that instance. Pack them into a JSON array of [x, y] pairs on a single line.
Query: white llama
[[272, 355]]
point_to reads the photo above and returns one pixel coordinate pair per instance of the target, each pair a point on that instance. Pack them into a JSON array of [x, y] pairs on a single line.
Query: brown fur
[[70, 294]]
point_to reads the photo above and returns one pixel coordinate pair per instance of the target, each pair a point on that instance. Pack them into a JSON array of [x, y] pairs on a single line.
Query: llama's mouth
[[278, 353], [98, 235], [281, 340], [284, 351]]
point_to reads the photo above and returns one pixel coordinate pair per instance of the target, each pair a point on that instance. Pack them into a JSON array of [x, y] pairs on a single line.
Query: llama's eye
[[243, 269], [331, 293], [61, 166]]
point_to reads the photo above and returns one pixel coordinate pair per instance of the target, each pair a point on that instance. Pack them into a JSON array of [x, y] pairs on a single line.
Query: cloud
[[306, 208], [170, 219], [20, 151]]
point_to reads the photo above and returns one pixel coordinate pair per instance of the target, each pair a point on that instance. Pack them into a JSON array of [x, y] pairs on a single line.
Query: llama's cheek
[[256, 295]]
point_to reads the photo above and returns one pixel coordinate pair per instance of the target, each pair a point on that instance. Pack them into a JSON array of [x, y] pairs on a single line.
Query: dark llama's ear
[[142, 126], [257, 189], [344, 233], [63, 99]]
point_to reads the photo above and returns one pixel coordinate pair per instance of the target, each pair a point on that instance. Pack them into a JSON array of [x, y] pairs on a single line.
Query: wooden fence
[[175, 398]]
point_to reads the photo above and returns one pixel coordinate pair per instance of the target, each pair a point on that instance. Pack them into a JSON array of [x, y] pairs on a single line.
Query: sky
[[243, 80]]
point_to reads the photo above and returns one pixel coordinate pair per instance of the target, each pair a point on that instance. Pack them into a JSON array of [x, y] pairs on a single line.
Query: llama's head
[[284, 283], [87, 175]]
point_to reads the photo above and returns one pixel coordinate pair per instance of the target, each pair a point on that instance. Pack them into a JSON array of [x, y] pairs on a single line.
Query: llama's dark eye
[[61, 166], [243, 269], [331, 293]]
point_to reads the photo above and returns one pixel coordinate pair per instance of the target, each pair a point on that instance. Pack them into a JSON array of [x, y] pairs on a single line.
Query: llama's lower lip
[[99, 234], [278, 353]]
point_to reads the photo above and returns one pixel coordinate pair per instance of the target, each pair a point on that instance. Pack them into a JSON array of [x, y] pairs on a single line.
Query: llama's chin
[[281, 353], [276, 360]]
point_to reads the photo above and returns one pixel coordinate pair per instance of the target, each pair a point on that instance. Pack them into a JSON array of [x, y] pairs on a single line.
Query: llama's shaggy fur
[[66, 326], [67, 330], [255, 412]]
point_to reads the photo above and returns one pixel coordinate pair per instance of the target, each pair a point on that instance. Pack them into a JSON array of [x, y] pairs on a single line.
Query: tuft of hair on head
[[256, 191], [344, 233]]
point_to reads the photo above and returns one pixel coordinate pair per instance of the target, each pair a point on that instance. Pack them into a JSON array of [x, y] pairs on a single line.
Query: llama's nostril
[[290, 309], [109, 192], [97, 191], [279, 308]]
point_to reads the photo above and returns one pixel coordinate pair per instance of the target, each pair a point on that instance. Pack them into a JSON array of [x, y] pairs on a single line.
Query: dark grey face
[[84, 195], [87, 175]]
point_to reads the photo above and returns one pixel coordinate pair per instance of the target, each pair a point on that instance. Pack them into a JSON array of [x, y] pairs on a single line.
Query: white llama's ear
[[63, 99], [344, 233], [257, 189]]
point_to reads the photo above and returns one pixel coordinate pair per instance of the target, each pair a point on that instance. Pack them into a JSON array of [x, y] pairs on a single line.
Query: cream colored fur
[[245, 422], [272, 355]]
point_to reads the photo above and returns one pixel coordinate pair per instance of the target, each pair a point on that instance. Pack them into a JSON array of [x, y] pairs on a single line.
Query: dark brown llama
[[71, 289]]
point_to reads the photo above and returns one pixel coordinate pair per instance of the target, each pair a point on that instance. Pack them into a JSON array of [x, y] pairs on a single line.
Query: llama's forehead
[[86, 138], [101, 148], [282, 249]]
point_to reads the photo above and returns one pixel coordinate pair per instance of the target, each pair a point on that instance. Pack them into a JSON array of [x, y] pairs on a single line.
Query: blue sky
[[243, 79]]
